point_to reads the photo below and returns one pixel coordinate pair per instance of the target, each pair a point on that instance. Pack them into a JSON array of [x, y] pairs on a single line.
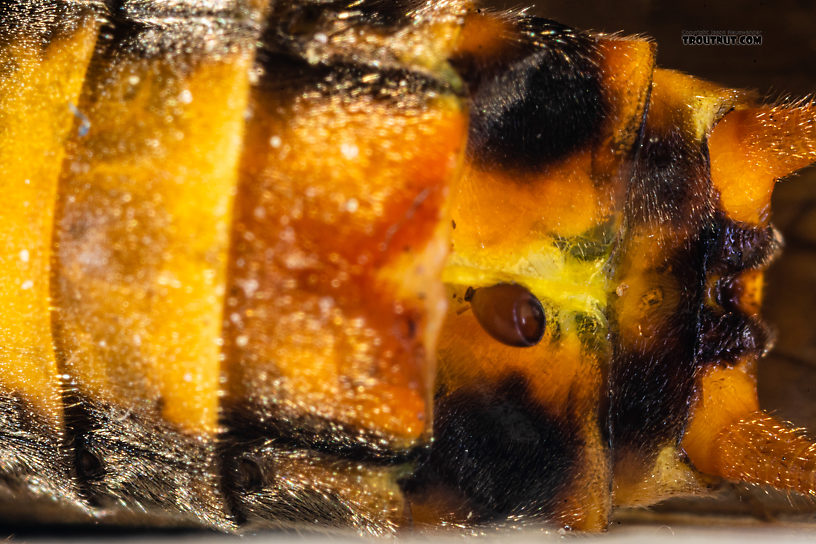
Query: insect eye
[[509, 313]]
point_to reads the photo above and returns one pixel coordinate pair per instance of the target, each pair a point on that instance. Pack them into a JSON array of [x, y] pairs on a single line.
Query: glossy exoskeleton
[[376, 265]]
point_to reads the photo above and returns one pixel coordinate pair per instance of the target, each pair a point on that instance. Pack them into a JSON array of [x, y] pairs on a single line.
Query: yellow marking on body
[[142, 233], [554, 276], [35, 118]]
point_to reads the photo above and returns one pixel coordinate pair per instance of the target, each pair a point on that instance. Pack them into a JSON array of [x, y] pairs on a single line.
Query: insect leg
[[754, 147], [728, 435]]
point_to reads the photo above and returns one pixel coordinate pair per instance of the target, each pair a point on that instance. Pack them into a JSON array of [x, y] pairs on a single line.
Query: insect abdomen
[[225, 267]]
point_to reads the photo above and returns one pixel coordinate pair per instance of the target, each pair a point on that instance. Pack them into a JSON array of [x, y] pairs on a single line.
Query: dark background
[[784, 63]]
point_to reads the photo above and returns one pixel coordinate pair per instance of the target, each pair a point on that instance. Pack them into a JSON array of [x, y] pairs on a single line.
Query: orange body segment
[[141, 234], [143, 237], [35, 119], [43, 63], [334, 301]]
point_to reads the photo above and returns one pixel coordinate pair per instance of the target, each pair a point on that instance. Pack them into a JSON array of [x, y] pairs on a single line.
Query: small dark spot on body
[[248, 477], [652, 298], [590, 333], [555, 329], [409, 328]]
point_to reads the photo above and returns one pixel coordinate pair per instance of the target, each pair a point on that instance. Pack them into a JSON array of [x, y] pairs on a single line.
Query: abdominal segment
[[221, 267], [44, 56]]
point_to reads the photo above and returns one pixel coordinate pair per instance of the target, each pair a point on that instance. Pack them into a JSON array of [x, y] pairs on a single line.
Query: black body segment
[[500, 450], [538, 97]]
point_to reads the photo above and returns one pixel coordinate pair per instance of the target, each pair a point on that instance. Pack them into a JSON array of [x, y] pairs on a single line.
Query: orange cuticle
[[730, 437]]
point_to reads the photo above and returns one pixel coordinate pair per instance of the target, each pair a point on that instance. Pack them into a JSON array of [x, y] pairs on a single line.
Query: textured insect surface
[[376, 266]]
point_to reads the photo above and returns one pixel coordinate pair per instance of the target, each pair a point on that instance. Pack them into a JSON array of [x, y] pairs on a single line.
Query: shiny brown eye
[[509, 313]]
